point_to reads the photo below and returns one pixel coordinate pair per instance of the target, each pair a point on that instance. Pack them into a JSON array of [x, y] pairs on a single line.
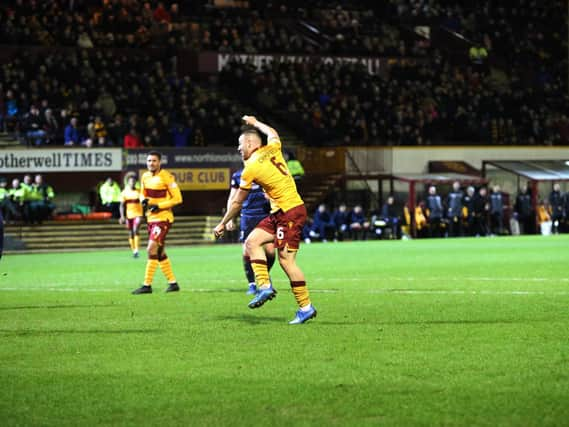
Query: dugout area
[[540, 175]]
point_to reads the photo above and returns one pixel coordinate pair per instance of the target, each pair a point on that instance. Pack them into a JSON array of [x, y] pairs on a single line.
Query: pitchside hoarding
[[61, 160], [187, 158], [195, 169]]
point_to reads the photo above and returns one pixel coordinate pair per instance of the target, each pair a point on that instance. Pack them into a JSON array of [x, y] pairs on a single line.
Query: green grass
[[431, 332]]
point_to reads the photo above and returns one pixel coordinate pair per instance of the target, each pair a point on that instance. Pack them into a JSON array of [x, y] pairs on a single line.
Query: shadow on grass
[[48, 332], [252, 320], [47, 307]]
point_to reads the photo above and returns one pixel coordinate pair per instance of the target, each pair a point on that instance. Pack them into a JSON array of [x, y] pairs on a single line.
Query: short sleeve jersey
[[131, 200], [267, 167], [160, 189], [256, 203]]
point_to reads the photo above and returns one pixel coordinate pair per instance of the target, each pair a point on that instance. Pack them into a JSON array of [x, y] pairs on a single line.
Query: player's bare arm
[[230, 225], [122, 219], [235, 207], [264, 128]]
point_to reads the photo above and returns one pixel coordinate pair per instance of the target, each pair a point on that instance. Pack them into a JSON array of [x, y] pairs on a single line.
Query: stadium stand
[[460, 103]]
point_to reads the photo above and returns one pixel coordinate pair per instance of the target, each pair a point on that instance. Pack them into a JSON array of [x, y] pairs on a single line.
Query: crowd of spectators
[[515, 95], [415, 104], [520, 34], [98, 23], [98, 98], [333, 27]]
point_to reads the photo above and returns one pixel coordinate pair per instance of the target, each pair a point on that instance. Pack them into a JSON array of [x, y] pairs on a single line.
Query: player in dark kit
[[255, 208]]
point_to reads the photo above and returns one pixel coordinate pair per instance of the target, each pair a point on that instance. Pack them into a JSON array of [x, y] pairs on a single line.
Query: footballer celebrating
[[265, 166], [159, 193], [131, 212]]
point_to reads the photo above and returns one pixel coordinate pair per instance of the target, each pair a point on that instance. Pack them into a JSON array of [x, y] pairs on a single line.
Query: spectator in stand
[[71, 135], [35, 132], [323, 226], [51, 127], [497, 211], [454, 210], [181, 135], [132, 139], [98, 132], [12, 110], [523, 211], [358, 224], [340, 217], [434, 211], [117, 130], [556, 206]]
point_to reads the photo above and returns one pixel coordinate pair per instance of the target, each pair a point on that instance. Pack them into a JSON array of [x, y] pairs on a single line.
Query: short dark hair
[[250, 130], [155, 153]]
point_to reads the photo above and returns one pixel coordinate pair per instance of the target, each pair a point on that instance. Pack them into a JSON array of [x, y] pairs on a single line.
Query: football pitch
[[456, 332]]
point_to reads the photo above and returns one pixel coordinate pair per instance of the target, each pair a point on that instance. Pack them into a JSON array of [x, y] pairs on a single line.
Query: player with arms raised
[[131, 212], [265, 165], [159, 194]]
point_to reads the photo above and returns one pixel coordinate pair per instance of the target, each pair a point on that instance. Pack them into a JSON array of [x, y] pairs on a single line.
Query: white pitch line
[[417, 279], [321, 291]]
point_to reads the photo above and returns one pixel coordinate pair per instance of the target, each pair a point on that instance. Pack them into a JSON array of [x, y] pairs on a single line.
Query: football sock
[[166, 268], [131, 243], [136, 242], [300, 292], [261, 272], [249, 273], [270, 261], [151, 266]]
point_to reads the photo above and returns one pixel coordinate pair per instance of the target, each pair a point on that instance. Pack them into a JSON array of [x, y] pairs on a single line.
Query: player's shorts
[[132, 223], [248, 224], [286, 227], [157, 231]]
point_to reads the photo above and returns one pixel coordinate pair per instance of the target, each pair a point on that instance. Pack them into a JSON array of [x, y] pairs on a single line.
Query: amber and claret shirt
[[160, 189]]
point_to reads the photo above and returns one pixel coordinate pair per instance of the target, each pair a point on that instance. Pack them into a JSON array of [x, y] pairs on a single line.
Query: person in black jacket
[[480, 207], [468, 202], [323, 225], [523, 211], [392, 218], [497, 211], [35, 127], [340, 217]]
